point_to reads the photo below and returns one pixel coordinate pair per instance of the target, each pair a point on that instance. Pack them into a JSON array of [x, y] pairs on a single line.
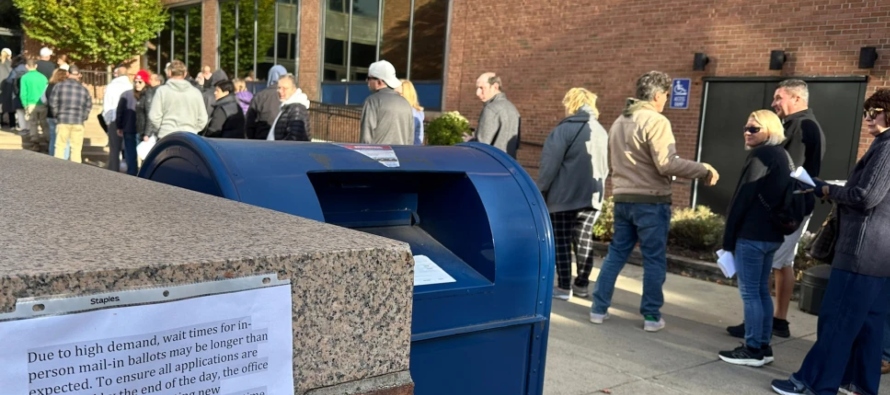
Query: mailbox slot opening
[[439, 214]]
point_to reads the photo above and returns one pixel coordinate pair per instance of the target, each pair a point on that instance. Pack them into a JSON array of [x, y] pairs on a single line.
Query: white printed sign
[[237, 343], [381, 153], [427, 272]]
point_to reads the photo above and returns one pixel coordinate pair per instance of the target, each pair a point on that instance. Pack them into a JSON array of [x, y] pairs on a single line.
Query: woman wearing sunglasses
[[751, 236], [847, 352]]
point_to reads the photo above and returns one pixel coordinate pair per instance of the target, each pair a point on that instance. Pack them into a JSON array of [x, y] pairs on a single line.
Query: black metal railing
[[337, 123], [95, 81]]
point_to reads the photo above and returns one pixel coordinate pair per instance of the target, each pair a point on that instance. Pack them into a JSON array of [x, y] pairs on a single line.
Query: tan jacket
[[643, 153]]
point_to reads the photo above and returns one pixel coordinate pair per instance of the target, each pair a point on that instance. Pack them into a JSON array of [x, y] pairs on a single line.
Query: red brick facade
[[541, 49]]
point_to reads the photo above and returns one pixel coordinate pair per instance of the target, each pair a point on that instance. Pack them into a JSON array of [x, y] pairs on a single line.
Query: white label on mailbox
[[427, 272], [381, 153]]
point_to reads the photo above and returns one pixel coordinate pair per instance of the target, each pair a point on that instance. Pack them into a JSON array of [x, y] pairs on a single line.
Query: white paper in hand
[[726, 262], [801, 175], [145, 147]]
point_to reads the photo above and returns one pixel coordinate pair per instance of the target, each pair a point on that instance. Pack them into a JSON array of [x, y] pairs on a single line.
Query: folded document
[[726, 263]]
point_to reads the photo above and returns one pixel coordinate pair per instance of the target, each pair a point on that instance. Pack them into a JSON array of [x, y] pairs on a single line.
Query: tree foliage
[[106, 31]]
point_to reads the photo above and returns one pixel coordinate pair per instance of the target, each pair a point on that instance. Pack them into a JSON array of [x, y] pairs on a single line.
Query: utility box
[[476, 224]]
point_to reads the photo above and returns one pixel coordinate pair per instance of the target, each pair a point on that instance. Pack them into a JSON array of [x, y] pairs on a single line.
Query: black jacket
[[864, 205], [126, 113], [226, 120], [293, 123], [143, 105], [765, 175], [805, 141], [262, 112]]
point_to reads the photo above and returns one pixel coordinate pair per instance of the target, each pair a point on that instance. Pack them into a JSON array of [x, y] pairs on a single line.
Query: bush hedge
[[447, 129]]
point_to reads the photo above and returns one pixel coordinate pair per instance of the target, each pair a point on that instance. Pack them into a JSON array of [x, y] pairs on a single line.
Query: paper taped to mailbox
[[427, 272]]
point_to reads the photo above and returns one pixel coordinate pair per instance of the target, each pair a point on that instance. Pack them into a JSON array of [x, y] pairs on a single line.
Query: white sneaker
[[598, 318], [562, 294], [653, 326]]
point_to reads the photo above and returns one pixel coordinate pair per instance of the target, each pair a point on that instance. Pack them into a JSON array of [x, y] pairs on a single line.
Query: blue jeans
[[886, 356], [52, 139], [130, 142], [849, 335], [648, 224], [754, 262]]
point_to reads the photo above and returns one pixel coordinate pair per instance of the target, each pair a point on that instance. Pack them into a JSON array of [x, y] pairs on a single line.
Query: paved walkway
[[94, 136], [618, 357]]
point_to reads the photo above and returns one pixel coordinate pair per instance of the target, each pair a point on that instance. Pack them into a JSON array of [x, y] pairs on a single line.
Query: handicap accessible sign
[[680, 93]]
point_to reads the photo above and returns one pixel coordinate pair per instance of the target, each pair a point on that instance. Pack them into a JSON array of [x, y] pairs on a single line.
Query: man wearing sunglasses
[[805, 141]]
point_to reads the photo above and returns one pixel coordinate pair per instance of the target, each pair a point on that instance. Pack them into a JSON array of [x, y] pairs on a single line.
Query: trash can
[[813, 284], [476, 223]]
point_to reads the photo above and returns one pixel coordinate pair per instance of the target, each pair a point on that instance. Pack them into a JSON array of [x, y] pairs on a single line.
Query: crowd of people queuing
[[854, 320], [579, 154]]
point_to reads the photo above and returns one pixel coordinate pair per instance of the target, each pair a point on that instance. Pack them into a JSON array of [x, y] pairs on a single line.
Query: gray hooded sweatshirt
[[177, 107]]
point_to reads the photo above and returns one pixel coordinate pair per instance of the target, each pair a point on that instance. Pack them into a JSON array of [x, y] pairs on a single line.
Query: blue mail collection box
[[475, 221]]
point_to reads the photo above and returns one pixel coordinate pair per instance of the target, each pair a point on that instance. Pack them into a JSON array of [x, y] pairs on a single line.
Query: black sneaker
[[737, 331], [788, 387], [780, 328], [744, 356], [768, 357]]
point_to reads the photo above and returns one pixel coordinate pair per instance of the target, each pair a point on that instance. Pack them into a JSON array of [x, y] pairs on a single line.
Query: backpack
[[788, 216]]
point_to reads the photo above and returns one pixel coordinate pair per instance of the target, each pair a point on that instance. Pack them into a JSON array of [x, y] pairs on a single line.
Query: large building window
[[180, 39], [410, 34], [247, 44]]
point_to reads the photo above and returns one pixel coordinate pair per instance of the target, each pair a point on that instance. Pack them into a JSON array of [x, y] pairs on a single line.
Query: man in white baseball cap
[[386, 116], [44, 66]]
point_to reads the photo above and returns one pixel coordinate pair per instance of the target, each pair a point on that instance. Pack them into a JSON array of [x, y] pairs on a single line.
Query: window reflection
[[276, 39]]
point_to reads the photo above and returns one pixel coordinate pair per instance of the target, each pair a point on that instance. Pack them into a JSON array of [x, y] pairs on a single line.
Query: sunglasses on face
[[752, 129], [872, 113], [139, 81]]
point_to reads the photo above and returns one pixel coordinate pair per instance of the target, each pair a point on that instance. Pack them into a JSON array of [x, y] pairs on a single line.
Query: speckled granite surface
[[75, 229]]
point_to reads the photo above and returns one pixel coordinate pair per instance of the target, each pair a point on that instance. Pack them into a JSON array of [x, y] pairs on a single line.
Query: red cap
[[143, 75]]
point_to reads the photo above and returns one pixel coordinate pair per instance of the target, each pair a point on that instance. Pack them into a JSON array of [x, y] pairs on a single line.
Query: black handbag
[[823, 246]]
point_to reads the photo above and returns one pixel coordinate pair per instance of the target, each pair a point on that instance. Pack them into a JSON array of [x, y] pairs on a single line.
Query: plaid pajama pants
[[573, 229]]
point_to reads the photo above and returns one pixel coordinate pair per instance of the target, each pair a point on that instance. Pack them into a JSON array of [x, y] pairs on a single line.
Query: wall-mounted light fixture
[[776, 59], [700, 61], [867, 57]]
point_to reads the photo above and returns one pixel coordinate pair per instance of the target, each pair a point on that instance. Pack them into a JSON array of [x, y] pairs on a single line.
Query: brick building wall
[[541, 49]]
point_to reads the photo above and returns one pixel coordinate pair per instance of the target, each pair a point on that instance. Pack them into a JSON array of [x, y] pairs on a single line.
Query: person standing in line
[[62, 62], [58, 76], [292, 122], [144, 95], [113, 92], [572, 179], [242, 95], [856, 302], [71, 103], [130, 123], [33, 87], [177, 105], [14, 83], [499, 122], [44, 65], [227, 119], [410, 94], [751, 236], [387, 118], [805, 142], [264, 107], [156, 80], [643, 156], [6, 107]]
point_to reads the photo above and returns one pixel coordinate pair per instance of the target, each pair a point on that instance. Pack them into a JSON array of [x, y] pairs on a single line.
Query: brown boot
[[885, 367]]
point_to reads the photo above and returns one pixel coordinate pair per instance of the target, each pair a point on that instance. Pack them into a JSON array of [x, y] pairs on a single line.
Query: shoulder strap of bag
[[573, 139]]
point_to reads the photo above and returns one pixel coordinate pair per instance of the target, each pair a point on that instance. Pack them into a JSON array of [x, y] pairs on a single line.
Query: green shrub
[[448, 129], [603, 229], [697, 229]]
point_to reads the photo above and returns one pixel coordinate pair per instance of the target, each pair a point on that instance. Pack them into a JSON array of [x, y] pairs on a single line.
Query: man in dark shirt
[[44, 65], [805, 142]]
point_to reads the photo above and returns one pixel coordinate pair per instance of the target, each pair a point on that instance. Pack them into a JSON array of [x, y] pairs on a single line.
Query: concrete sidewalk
[[618, 357]]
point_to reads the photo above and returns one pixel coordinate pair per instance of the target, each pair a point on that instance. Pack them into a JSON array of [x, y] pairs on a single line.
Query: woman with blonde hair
[[572, 178], [410, 94], [5, 71], [242, 95], [751, 235]]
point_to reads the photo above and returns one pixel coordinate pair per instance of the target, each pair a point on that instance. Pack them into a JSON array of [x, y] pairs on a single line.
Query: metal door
[[727, 102]]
